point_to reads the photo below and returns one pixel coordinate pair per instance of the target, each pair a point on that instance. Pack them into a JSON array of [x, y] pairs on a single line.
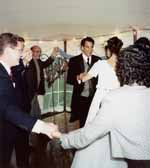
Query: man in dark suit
[[11, 116], [82, 92], [22, 148], [36, 90], [35, 77]]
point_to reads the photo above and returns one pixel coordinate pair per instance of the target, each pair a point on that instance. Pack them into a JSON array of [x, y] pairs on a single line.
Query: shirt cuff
[[38, 126], [43, 128], [79, 81]]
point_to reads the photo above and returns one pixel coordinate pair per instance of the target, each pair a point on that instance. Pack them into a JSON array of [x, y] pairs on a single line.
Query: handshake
[[49, 129]]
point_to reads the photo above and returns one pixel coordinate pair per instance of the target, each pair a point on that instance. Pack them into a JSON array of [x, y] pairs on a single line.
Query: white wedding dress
[[98, 154]]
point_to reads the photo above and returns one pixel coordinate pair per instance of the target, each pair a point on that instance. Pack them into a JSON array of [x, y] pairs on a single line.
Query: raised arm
[[51, 59], [100, 126], [14, 115], [64, 54]]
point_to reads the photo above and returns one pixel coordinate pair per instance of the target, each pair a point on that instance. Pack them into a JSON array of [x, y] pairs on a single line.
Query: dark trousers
[[10, 138], [22, 148], [84, 105], [8, 135], [39, 148], [138, 163]]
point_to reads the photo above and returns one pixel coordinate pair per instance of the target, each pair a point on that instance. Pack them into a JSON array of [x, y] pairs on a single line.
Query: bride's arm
[[100, 126], [93, 72], [84, 77]]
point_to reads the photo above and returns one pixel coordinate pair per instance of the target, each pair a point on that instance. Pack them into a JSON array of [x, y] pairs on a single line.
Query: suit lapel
[[81, 63], [5, 78], [92, 60], [3, 72]]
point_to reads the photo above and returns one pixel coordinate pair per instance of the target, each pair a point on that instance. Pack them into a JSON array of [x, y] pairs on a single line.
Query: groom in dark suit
[[11, 116], [82, 92]]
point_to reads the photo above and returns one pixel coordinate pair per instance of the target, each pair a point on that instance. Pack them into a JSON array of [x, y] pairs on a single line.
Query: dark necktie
[[91, 89], [88, 61]]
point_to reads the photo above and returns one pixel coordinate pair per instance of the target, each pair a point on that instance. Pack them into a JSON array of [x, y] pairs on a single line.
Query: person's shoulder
[[76, 58], [101, 63], [124, 92], [96, 57]]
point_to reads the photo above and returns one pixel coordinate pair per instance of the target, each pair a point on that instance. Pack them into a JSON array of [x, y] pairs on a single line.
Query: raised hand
[[55, 51], [26, 56]]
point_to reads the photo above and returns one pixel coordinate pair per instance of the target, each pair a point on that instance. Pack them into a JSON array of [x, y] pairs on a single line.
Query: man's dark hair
[[133, 66], [35, 46], [7, 39], [89, 39]]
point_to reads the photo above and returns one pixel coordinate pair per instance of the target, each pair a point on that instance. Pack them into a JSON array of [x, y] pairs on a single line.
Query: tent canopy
[[65, 19]]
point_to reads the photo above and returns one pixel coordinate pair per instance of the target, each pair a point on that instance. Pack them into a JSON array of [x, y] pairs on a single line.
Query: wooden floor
[[54, 156]]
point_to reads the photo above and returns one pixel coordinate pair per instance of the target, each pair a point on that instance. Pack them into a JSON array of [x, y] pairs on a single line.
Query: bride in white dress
[[98, 154]]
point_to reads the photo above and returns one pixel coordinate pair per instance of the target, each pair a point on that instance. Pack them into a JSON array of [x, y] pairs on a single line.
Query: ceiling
[[65, 19]]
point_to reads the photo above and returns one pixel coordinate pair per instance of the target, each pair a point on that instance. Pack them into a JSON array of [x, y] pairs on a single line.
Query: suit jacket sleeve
[[14, 115], [47, 62], [72, 72], [83, 137]]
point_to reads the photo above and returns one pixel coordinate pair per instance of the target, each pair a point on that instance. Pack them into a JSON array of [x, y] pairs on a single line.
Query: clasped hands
[[80, 76], [53, 131]]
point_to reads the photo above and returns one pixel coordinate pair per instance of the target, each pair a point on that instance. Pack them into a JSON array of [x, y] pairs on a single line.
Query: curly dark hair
[[143, 41], [133, 66], [114, 44]]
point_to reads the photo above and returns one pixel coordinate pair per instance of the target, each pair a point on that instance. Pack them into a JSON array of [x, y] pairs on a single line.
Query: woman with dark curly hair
[[143, 42], [134, 67], [133, 72], [124, 117]]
